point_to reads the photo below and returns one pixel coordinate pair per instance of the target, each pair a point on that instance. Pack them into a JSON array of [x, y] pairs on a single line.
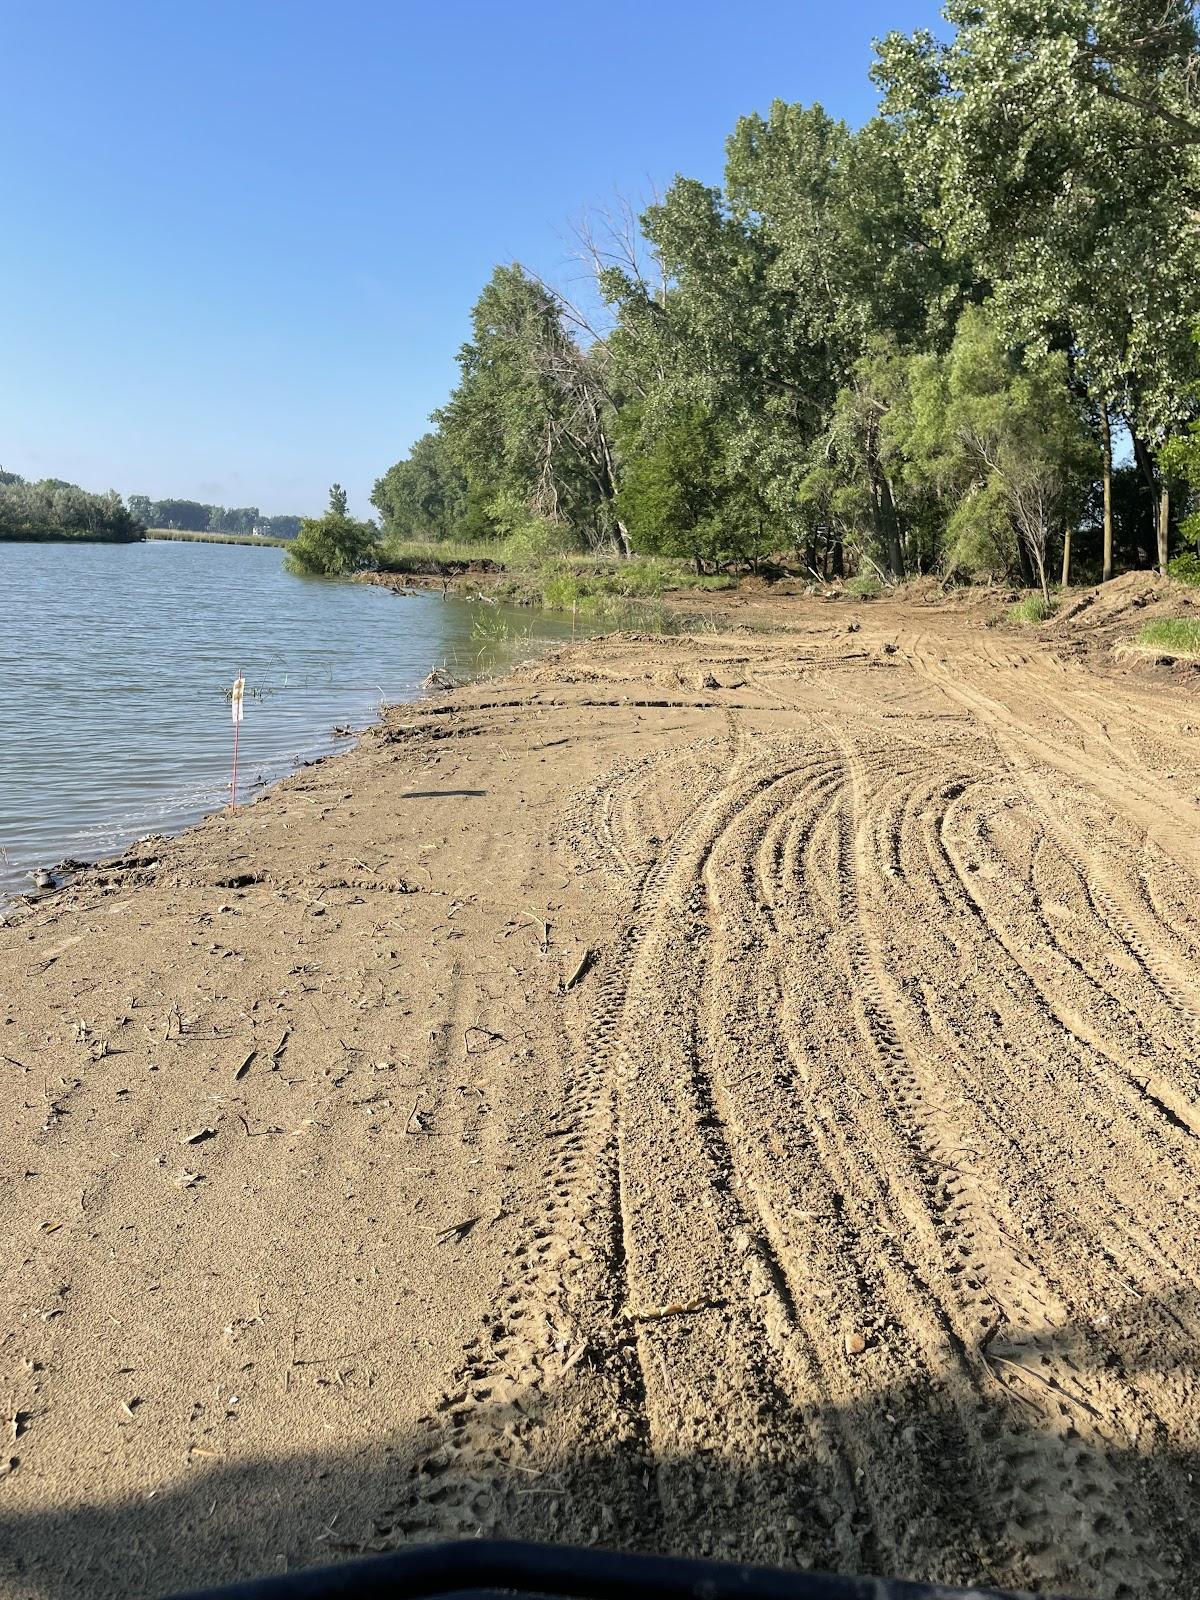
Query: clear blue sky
[[242, 239]]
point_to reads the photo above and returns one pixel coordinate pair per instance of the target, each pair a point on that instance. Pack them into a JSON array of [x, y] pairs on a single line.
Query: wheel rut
[[874, 1173]]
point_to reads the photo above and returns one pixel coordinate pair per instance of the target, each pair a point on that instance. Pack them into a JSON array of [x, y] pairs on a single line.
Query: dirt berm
[[735, 1094]]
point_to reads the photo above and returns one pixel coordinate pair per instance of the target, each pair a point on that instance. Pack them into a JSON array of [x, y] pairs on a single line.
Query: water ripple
[[115, 660]]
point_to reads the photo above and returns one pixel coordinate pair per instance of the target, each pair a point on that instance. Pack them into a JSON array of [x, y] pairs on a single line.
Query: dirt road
[[736, 1095]]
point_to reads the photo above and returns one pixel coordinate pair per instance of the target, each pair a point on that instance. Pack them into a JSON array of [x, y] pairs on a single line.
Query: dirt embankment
[[732, 1094], [452, 577]]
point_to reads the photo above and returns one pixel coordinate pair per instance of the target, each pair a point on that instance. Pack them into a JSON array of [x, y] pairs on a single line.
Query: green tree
[[426, 496], [54, 509], [233, 519], [854, 483], [775, 287], [281, 527], [187, 515], [1053, 143], [335, 545], [673, 490], [1004, 444], [529, 424]]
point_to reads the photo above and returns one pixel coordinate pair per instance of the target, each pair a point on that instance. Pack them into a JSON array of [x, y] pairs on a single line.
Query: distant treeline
[[190, 516], [53, 509], [959, 337]]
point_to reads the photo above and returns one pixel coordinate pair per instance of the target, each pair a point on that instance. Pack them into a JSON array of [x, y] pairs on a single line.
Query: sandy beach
[[729, 1094]]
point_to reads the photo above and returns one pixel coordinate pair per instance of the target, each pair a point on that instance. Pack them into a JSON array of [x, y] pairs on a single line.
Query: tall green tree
[[1052, 144], [426, 495], [1002, 441], [530, 422], [775, 286]]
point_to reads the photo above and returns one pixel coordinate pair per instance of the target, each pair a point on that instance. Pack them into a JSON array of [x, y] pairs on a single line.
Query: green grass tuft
[[864, 585], [415, 556], [1032, 609], [1174, 636], [602, 588]]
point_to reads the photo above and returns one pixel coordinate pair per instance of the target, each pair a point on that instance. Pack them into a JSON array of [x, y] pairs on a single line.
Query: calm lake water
[[115, 664]]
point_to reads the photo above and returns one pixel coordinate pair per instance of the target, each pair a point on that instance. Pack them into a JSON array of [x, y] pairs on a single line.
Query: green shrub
[[865, 585], [335, 545], [538, 539], [641, 576], [1186, 568], [1032, 609], [561, 591]]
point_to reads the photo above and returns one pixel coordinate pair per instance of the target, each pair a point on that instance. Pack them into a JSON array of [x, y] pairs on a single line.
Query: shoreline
[[184, 536], [514, 1100], [336, 735]]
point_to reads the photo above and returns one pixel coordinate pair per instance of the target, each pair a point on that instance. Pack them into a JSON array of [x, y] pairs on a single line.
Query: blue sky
[[241, 240]]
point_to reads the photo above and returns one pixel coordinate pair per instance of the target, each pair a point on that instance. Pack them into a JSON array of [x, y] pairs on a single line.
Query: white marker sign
[[235, 705]]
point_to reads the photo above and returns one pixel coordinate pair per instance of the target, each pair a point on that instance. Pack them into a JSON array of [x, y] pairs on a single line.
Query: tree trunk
[[1164, 530], [892, 524], [1106, 451], [1145, 461], [837, 559], [1066, 570], [1024, 563], [623, 535]]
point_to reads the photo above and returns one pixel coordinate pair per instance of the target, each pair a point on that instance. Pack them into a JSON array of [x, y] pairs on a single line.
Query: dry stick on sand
[[584, 963], [543, 925], [456, 1231], [1052, 1384], [256, 1133]]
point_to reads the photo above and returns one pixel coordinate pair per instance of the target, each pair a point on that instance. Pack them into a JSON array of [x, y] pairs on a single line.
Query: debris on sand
[[439, 680], [578, 971]]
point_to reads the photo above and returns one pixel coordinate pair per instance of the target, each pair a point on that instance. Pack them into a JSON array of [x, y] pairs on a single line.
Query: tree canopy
[[959, 336], [53, 509], [195, 517]]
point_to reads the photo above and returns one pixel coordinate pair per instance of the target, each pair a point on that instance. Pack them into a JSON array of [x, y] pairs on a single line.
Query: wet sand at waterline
[[733, 1094]]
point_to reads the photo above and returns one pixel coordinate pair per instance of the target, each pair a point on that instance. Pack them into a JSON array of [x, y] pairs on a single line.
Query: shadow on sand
[[1003, 1499]]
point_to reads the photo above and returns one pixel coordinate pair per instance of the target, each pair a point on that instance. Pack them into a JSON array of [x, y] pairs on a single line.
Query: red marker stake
[[235, 702]]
